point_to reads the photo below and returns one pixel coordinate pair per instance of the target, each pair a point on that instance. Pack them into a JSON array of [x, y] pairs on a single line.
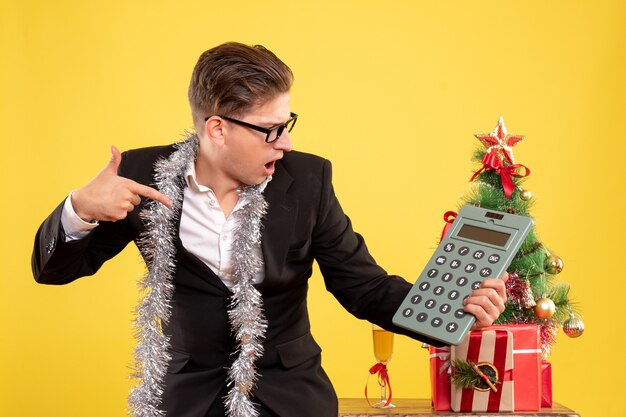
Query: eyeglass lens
[[274, 135]]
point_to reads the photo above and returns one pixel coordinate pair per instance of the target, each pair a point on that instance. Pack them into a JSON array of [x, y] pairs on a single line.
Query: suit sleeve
[[350, 273], [55, 261]]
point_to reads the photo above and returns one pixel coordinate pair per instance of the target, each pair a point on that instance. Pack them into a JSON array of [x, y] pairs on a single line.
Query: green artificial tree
[[534, 295]]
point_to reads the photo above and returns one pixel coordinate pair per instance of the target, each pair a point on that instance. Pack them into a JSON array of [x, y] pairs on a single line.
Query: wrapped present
[[546, 384], [490, 353], [527, 371], [440, 378]]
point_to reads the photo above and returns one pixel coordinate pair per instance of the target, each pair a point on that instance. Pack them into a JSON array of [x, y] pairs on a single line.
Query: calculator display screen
[[479, 234]]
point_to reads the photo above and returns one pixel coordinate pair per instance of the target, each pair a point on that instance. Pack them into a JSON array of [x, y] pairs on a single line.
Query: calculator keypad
[[445, 301]]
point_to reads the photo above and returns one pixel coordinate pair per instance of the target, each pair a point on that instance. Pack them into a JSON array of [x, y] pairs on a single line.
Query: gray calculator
[[480, 244]]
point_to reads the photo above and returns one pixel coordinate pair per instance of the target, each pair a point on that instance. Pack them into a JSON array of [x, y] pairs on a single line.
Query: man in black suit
[[195, 209]]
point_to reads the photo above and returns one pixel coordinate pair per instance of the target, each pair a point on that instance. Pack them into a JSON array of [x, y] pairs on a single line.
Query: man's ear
[[214, 130]]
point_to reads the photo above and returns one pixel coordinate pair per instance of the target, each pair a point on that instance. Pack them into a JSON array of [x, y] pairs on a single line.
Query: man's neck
[[225, 189]]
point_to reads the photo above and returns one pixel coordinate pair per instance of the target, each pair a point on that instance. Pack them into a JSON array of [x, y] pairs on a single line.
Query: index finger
[[496, 284], [151, 193]]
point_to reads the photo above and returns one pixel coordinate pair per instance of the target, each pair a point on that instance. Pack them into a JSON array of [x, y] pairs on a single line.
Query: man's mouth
[[270, 168]]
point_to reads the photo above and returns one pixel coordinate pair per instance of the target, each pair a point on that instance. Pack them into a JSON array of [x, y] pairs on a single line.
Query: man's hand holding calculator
[[487, 302]]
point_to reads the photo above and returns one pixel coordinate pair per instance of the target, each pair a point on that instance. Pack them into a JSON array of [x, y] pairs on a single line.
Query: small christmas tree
[[534, 296]]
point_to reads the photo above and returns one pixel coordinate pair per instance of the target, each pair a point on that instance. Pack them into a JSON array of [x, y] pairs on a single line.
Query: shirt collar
[[190, 179]]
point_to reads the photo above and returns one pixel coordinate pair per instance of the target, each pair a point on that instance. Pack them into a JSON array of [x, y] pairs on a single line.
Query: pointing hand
[[110, 197]]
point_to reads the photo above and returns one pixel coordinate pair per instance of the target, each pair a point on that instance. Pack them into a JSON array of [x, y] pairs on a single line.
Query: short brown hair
[[231, 78]]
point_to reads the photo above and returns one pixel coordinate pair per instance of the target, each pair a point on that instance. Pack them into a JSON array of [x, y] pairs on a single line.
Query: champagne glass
[[383, 350]]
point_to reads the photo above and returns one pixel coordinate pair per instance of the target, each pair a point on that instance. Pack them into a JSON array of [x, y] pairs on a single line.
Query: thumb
[[505, 277], [114, 162]]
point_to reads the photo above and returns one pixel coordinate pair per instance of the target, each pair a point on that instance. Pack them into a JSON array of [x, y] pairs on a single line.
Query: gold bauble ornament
[[525, 195], [573, 327], [545, 308], [554, 264]]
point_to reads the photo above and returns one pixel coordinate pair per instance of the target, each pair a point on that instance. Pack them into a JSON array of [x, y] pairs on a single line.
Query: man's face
[[245, 156]]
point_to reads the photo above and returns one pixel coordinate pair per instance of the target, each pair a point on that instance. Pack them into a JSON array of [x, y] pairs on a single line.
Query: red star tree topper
[[499, 143], [499, 156]]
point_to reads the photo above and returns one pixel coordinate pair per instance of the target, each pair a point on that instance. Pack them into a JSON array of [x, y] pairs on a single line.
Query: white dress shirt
[[204, 229]]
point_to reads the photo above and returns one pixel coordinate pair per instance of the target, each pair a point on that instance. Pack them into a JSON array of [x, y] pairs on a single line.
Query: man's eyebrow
[[276, 125], [270, 126]]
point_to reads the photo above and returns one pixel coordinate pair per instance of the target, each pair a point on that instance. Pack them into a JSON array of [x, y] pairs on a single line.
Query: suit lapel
[[277, 226], [194, 263]]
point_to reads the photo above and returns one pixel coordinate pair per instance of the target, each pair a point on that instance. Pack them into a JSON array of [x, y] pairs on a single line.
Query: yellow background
[[392, 92]]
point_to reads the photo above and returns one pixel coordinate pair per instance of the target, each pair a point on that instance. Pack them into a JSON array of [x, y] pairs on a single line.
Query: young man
[[229, 222]]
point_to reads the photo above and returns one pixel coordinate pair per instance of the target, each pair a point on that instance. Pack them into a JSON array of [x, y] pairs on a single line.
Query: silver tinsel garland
[[246, 309], [157, 246], [245, 312]]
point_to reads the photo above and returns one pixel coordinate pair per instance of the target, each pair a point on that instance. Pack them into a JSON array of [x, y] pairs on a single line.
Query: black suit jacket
[[304, 222]]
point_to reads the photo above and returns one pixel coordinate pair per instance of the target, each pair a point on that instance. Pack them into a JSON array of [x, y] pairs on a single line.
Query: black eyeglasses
[[272, 133]]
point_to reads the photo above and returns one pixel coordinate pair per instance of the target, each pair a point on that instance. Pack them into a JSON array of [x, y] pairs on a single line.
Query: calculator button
[[432, 273], [445, 308], [436, 322], [408, 312], [451, 327], [453, 295], [448, 247], [485, 272], [460, 313], [424, 286], [464, 251], [455, 264], [461, 281], [439, 290], [493, 258], [446, 277], [416, 299], [430, 303], [470, 268], [440, 260], [478, 254], [476, 285], [421, 317]]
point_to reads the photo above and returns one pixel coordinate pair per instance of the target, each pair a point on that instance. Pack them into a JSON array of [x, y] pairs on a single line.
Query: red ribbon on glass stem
[[383, 380], [491, 162]]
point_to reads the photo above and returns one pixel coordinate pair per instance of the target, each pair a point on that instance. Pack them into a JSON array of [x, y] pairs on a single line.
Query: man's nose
[[284, 142]]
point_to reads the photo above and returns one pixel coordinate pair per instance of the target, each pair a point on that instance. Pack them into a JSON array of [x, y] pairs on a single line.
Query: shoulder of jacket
[[303, 160], [138, 164], [150, 153]]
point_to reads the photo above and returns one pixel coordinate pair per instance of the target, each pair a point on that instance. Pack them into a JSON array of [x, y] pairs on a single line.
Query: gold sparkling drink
[[383, 344]]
